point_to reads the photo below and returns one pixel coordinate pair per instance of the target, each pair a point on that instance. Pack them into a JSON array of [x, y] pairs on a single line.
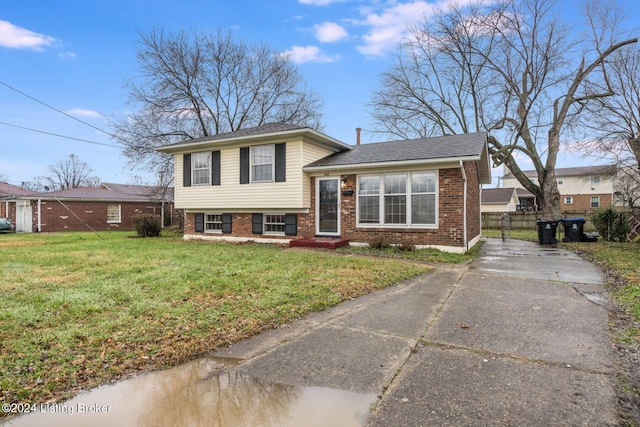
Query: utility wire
[[60, 136], [55, 109]]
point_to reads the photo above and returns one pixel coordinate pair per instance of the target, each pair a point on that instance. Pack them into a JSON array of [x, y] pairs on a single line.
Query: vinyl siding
[[232, 196]]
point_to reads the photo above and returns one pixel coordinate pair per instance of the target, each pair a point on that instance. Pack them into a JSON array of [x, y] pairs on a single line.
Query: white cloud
[[67, 54], [388, 27], [85, 113], [320, 2], [302, 54], [15, 37], [330, 32]]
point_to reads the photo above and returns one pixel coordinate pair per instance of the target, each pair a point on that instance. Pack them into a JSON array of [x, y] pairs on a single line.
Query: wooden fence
[[527, 220]]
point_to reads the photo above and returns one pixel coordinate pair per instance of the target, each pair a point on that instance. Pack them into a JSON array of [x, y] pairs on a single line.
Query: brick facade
[[8, 210], [80, 215], [242, 227], [450, 230], [582, 202]]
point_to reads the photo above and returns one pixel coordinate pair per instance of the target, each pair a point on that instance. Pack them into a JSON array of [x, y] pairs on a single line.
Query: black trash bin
[[573, 229], [547, 231]]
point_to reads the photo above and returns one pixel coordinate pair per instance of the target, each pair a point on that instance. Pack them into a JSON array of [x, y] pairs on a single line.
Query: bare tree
[[71, 172], [198, 84], [612, 124], [512, 69]]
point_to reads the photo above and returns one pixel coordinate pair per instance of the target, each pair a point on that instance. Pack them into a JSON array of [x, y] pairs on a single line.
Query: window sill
[[399, 226]]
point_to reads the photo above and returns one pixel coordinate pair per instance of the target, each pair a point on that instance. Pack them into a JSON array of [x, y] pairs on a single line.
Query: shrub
[[406, 245], [611, 225], [379, 242], [147, 225]]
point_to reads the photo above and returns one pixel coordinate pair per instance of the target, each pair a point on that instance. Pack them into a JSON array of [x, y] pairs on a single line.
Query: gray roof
[[574, 171], [497, 195], [447, 147], [7, 190], [254, 132], [102, 194], [144, 191]]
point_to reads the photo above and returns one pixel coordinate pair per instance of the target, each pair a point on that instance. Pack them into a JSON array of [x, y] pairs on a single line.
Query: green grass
[[80, 309]]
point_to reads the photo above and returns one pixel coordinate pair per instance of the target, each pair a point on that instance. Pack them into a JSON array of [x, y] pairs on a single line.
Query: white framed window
[[113, 213], [369, 199], [212, 223], [398, 199], [262, 164], [568, 200], [560, 181], [423, 198], [395, 199], [201, 168], [595, 180], [274, 224], [595, 201]]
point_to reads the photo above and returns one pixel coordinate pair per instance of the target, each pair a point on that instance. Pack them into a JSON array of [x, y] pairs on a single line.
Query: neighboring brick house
[[109, 207], [8, 192], [583, 188], [280, 182]]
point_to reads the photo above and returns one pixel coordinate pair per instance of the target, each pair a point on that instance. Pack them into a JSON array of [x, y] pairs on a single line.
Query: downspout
[[464, 204], [39, 217]]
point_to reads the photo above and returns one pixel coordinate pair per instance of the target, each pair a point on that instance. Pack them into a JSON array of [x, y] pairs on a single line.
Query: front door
[[328, 207], [24, 222]]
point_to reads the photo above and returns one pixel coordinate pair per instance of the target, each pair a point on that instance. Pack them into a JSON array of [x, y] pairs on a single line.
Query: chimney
[[358, 136]]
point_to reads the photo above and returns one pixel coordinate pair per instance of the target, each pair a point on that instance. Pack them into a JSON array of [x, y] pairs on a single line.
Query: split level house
[[285, 183]]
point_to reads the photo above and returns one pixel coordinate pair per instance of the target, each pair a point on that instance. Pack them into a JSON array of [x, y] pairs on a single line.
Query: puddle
[[203, 393]]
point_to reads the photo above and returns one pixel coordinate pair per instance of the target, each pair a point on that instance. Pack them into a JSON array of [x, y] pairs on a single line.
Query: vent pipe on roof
[[358, 136]]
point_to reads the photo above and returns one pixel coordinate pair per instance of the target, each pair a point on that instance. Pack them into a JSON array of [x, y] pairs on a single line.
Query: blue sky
[[75, 54]]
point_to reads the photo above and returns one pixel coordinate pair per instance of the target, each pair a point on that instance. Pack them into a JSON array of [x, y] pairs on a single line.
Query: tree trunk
[[550, 198]]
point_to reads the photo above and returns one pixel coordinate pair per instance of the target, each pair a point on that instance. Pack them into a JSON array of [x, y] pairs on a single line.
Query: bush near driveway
[[79, 309]]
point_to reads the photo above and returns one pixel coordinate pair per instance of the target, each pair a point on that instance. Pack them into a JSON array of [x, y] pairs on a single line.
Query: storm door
[[328, 207]]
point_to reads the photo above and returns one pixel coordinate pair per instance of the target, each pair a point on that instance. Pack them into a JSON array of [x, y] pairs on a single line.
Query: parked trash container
[[547, 231], [573, 229]]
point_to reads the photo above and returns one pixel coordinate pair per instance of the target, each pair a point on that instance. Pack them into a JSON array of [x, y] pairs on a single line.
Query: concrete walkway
[[516, 338]]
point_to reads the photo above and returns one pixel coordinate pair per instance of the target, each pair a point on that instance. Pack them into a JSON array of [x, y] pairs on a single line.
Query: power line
[[60, 136], [55, 109]]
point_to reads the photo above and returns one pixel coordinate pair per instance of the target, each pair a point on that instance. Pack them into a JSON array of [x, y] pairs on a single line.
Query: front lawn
[[79, 309]]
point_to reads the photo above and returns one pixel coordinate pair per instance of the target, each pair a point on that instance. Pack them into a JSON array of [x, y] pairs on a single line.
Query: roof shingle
[[442, 147]]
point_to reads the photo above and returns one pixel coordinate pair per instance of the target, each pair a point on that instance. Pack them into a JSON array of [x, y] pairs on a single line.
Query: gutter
[[234, 140], [464, 204], [441, 161]]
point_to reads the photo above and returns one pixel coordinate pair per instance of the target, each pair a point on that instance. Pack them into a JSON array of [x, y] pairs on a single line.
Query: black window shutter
[[256, 223], [244, 165], [281, 162], [290, 224], [215, 167], [199, 223], [226, 223], [186, 170]]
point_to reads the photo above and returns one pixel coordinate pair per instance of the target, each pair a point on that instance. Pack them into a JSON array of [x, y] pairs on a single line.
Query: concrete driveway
[[517, 337]]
